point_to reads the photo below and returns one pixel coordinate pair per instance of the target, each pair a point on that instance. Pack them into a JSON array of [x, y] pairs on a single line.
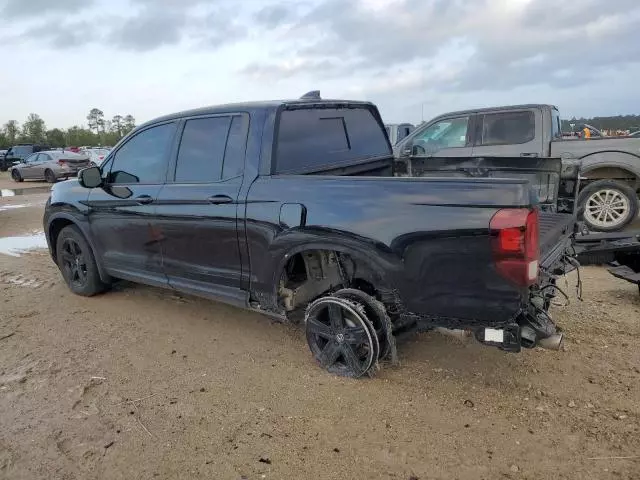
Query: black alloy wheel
[[341, 338], [15, 174], [74, 263]]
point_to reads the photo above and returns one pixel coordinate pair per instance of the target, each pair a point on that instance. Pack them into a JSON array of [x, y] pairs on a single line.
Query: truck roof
[[492, 109], [253, 106]]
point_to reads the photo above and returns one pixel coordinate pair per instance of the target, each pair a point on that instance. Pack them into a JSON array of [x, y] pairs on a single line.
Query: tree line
[[618, 122], [100, 131]]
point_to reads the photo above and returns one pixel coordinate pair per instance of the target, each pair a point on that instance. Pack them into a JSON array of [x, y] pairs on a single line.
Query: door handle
[[219, 199], [144, 199]]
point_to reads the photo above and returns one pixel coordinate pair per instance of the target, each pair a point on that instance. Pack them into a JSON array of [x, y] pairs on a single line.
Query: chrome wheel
[[340, 336], [607, 208]]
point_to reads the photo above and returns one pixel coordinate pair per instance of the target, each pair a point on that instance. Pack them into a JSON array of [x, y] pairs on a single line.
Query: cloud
[[61, 36], [503, 44], [148, 30], [29, 8], [272, 16]]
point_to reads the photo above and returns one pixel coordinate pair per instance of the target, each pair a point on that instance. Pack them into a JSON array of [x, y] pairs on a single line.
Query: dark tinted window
[[143, 158], [236, 145], [201, 150], [313, 139], [22, 150], [508, 128]]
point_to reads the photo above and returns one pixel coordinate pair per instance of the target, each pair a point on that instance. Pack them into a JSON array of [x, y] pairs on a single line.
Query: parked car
[[635, 134], [50, 165], [96, 155], [292, 209], [17, 154], [610, 166]]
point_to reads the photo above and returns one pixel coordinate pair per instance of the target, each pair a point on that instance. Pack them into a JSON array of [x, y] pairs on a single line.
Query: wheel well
[[54, 230], [612, 173], [309, 274]]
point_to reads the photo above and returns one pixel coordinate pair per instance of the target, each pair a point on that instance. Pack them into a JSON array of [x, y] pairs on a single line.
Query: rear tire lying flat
[[340, 337], [376, 314]]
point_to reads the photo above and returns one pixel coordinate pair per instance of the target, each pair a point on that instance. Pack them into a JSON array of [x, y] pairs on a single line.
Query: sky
[[413, 58]]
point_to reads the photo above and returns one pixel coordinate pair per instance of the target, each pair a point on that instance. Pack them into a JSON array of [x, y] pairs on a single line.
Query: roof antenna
[[312, 95]]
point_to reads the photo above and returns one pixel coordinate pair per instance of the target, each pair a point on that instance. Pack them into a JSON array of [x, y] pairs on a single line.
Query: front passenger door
[[448, 137], [122, 216], [28, 168]]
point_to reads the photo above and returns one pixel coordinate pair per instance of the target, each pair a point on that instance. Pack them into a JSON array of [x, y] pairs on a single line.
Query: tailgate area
[[553, 228]]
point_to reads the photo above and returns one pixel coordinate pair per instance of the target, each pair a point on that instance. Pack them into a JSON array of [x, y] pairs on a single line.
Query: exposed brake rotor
[[341, 337]]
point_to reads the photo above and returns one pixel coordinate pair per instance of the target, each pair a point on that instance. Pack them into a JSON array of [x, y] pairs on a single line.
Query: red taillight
[[515, 244]]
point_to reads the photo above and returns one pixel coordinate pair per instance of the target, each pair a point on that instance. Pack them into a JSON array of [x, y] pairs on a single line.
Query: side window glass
[[43, 157], [508, 128], [31, 158], [236, 146], [449, 133], [202, 150], [143, 158]]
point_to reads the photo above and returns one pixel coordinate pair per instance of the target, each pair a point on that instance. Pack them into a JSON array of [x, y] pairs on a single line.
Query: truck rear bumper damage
[[532, 326]]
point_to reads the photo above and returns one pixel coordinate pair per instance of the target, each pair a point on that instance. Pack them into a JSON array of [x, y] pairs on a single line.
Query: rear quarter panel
[[427, 239]]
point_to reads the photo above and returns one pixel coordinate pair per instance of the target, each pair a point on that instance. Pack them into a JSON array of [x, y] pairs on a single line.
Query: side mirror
[[90, 177]]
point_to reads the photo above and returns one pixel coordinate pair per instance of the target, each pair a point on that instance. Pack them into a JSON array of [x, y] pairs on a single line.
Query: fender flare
[[612, 163], [84, 229]]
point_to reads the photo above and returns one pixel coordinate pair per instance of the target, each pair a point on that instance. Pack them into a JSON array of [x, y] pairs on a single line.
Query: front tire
[[15, 174], [608, 205], [49, 176], [77, 264]]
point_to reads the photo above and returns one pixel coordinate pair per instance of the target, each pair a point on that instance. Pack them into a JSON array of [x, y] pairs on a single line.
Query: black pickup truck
[[292, 209]]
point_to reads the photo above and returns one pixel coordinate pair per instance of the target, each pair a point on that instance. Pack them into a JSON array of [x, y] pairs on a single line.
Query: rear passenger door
[[510, 133], [41, 165], [198, 208]]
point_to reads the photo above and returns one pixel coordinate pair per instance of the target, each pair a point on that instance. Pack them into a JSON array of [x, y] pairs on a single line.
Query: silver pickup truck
[[609, 166]]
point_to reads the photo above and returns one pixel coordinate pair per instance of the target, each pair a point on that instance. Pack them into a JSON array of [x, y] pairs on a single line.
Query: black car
[[18, 154], [291, 209]]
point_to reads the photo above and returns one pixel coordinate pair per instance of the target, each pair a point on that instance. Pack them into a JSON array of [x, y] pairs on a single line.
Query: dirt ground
[[144, 383]]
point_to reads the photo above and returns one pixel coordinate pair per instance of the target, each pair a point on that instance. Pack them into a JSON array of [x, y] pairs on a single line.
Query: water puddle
[[16, 246], [12, 192]]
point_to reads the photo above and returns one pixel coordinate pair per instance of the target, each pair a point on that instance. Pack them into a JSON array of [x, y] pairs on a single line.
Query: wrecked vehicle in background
[[292, 209]]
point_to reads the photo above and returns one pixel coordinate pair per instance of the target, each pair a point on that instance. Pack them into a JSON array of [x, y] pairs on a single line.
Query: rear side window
[[313, 139], [201, 150], [143, 158], [211, 149], [508, 128]]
